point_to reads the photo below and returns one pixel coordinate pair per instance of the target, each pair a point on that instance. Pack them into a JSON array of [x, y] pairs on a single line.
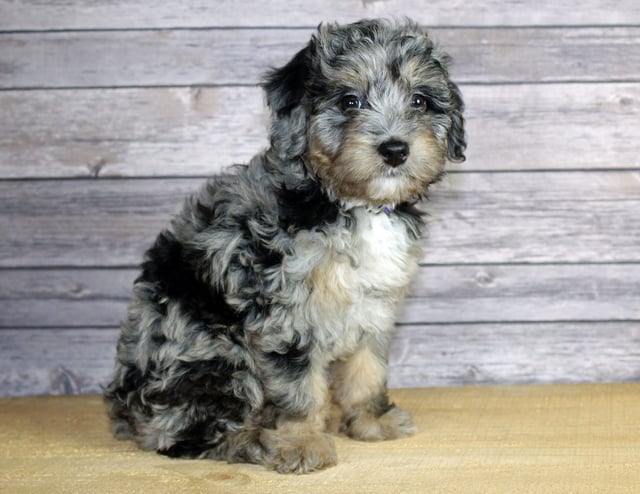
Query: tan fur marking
[[429, 152], [342, 176], [393, 424], [298, 452], [300, 446], [358, 379], [357, 169], [328, 286]]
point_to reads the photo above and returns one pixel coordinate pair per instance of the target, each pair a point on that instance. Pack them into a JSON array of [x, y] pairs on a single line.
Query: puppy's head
[[370, 108]]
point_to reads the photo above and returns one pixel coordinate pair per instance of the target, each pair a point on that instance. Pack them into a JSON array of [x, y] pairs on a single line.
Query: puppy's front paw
[[393, 424], [304, 454]]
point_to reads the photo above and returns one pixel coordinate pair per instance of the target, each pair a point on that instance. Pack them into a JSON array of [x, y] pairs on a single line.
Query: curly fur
[[272, 295]]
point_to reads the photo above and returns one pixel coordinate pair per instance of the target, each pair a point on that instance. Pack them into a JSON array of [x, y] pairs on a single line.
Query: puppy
[[272, 296]]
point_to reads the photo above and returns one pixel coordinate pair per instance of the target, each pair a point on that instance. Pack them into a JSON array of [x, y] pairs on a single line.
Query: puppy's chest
[[357, 276], [382, 255]]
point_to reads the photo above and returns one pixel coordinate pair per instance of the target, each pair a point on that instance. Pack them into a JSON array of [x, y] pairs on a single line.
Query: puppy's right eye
[[350, 102]]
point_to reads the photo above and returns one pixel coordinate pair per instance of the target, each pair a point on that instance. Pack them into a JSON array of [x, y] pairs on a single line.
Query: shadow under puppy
[[273, 294]]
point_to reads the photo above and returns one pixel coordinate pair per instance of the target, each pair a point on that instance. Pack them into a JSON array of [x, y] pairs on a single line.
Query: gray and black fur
[[272, 296]]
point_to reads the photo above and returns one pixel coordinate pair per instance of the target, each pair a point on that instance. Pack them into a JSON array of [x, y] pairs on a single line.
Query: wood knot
[[484, 279]]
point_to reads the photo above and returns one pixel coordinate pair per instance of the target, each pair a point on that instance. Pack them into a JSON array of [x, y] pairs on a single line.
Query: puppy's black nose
[[394, 153]]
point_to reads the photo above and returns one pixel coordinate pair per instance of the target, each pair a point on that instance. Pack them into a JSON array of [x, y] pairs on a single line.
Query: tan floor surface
[[526, 439]]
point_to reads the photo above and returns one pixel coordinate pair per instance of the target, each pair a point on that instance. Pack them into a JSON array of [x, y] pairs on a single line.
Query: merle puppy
[[272, 296]]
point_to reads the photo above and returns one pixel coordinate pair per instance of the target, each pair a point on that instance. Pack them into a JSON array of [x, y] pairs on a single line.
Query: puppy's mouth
[[389, 173], [394, 187]]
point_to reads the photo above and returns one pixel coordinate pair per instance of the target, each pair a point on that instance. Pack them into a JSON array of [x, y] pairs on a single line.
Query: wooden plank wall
[[111, 112]]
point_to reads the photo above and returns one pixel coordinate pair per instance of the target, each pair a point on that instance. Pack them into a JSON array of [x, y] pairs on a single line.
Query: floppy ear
[[285, 86], [457, 140], [285, 89], [449, 101]]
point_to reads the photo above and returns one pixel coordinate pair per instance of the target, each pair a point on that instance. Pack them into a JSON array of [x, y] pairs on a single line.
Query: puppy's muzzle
[[394, 152]]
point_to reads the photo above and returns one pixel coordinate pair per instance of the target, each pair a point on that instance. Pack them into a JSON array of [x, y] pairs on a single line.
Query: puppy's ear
[[285, 86], [285, 89], [457, 140]]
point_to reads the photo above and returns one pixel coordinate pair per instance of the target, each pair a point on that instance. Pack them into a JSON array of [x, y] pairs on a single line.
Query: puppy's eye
[[418, 102], [350, 102]]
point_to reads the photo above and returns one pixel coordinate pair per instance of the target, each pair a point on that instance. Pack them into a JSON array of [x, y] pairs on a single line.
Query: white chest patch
[[356, 277], [386, 254]]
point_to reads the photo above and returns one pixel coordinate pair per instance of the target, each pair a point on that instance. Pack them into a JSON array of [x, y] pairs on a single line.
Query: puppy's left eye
[[350, 102], [418, 102]]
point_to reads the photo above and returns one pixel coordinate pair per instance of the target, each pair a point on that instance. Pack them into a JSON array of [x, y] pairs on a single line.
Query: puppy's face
[[382, 116]]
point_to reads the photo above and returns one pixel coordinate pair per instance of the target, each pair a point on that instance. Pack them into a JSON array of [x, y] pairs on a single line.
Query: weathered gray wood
[[129, 132], [65, 297], [94, 223], [515, 353], [553, 126], [440, 294], [534, 217], [529, 277], [56, 361], [474, 218], [83, 14], [217, 57], [458, 293], [181, 131], [70, 361]]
